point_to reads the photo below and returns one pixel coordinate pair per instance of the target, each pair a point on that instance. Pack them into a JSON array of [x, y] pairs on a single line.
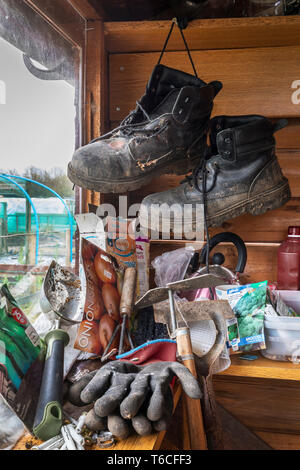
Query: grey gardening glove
[[141, 394]]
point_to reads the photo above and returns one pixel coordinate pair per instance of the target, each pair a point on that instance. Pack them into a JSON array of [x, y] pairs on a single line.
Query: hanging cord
[[204, 199], [203, 171], [175, 21], [166, 42], [126, 123], [188, 51]]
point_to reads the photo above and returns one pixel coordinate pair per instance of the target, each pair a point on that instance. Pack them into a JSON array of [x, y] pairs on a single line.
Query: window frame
[[90, 43]]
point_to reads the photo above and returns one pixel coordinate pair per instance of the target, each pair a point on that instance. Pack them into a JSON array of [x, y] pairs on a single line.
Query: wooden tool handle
[[184, 349], [128, 292], [193, 407]]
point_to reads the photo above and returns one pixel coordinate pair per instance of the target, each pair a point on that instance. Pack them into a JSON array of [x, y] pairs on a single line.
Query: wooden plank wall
[[267, 407], [257, 60]]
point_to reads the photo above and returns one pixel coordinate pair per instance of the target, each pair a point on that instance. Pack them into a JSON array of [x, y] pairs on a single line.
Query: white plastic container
[[291, 298], [282, 335]]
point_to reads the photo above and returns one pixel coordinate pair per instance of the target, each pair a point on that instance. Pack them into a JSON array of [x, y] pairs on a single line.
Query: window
[[40, 96]]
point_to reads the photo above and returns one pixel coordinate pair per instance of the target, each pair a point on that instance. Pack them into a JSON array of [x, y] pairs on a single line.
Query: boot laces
[[128, 120], [127, 126], [200, 174]]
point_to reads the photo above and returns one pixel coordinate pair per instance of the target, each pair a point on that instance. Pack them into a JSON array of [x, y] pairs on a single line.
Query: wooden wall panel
[[261, 265], [268, 227], [262, 405], [143, 36], [257, 60], [290, 164], [280, 441], [256, 81], [246, 89], [289, 137]]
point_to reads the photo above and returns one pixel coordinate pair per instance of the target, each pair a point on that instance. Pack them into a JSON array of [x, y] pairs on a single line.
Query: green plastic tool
[[48, 418]]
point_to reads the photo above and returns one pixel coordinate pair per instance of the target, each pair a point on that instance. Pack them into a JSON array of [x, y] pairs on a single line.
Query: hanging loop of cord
[[203, 170], [175, 21]]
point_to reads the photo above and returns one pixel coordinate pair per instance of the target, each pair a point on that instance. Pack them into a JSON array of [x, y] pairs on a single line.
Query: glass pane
[[39, 129]]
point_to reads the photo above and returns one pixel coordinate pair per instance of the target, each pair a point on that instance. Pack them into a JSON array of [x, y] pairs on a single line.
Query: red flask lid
[[294, 231]]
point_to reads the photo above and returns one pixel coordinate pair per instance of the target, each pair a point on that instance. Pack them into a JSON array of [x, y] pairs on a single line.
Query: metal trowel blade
[[61, 292], [160, 294]]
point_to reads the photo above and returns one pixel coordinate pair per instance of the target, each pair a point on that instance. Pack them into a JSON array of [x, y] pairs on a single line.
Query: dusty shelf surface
[[262, 368], [133, 442]]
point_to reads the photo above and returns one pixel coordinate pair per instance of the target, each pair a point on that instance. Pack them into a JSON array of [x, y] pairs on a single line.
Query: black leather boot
[[241, 175], [165, 134]]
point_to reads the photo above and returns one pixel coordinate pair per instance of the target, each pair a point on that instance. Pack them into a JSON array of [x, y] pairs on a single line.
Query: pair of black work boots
[[237, 172]]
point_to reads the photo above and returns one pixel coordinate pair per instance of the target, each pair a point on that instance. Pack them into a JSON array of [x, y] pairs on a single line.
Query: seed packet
[[21, 359], [233, 337], [248, 304]]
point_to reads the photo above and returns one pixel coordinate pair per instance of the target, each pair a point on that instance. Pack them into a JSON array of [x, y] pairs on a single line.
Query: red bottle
[[288, 267]]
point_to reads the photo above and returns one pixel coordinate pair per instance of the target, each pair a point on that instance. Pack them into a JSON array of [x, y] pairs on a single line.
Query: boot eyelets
[[228, 140], [187, 99], [227, 152], [180, 111]]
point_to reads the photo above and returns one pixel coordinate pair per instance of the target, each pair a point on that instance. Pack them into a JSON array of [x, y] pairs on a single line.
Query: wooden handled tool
[[193, 407], [128, 292], [127, 300]]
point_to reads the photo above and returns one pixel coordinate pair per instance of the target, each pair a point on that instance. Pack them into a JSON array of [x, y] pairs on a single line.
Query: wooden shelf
[[262, 368], [223, 33], [133, 442]]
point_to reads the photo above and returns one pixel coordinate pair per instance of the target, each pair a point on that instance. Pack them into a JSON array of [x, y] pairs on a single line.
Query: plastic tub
[[291, 298], [282, 335]]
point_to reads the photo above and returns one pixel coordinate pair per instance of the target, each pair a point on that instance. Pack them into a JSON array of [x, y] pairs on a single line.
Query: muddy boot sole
[[181, 167], [272, 199], [257, 205]]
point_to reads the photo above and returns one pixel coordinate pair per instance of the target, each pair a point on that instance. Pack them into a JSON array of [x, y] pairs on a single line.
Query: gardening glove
[[153, 381], [123, 391], [108, 387], [118, 426]]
